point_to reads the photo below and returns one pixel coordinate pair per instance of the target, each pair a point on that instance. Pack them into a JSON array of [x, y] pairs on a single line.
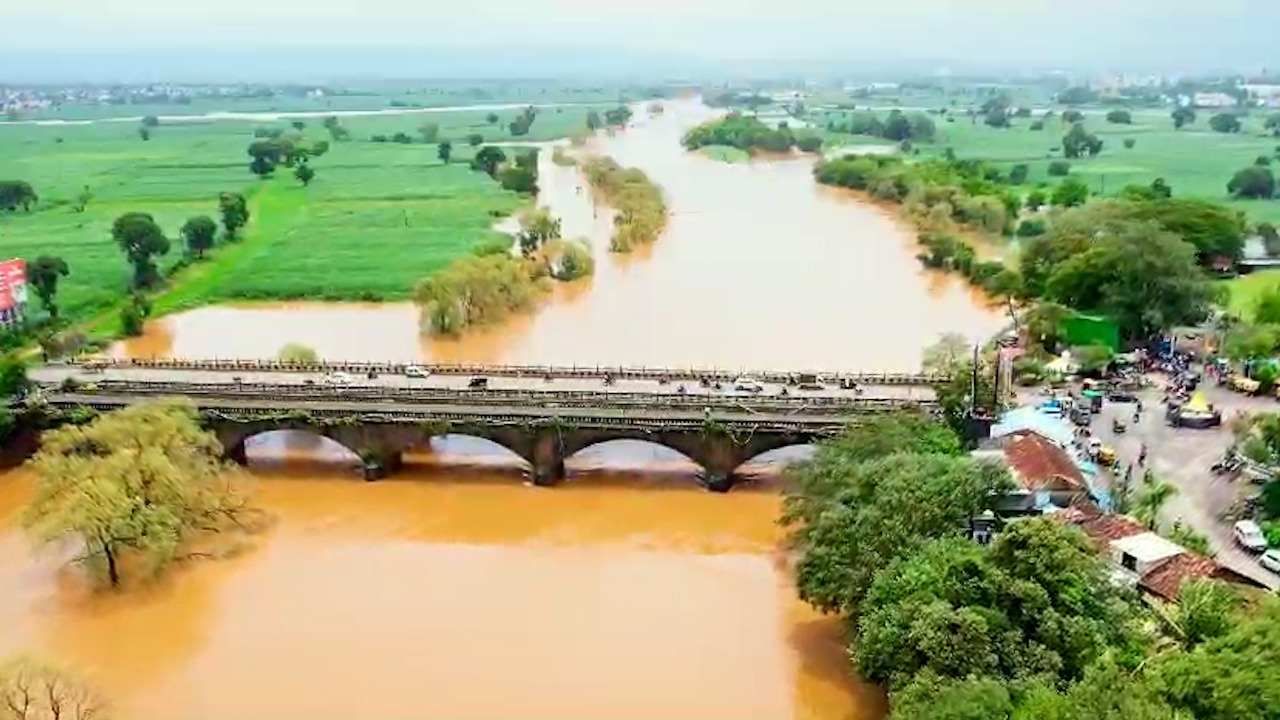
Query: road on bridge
[[56, 375]]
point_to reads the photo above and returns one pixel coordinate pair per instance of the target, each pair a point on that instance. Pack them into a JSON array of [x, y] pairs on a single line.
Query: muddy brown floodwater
[[457, 591]]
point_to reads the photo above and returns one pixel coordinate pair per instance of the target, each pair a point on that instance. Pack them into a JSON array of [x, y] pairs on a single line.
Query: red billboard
[[13, 284]]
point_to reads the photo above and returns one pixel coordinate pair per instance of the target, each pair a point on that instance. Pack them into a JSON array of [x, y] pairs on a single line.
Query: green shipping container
[[1091, 330]]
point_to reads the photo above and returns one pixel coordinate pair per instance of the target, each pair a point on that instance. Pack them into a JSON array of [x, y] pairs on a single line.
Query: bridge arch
[[478, 444]]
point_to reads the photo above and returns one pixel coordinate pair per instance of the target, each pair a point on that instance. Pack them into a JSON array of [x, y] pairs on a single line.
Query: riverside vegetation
[[641, 209], [1029, 627]]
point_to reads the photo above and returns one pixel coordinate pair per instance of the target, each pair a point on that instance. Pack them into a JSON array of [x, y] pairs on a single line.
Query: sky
[[313, 39]]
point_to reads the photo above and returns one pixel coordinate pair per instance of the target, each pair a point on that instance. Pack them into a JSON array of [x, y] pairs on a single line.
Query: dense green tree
[[140, 481], [488, 158], [1079, 142], [1183, 116], [304, 173], [1036, 199], [261, 166], [1120, 117], [1225, 123], [1231, 677], [13, 376], [234, 212], [1143, 277], [336, 132], [1255, 182], [134, 314], [1018, 174], [319, 148], [1059, 168], [198, 233], [930, 697], [1036, 603], [43, 275], [593, 120], [1206, 610], [1214, 230], [1107, 692], [1072, 117], [150, 121], [475, 139], [618, 116], [1070, 193], [141, 239], [16, 194], [444, 151], [491, 118], [144, 133], [866, 514]]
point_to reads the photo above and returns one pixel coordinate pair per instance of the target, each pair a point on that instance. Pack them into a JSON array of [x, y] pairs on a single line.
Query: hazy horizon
[[232, 40]]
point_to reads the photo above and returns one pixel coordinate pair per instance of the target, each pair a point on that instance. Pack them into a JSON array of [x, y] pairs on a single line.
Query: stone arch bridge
[[541, 417]]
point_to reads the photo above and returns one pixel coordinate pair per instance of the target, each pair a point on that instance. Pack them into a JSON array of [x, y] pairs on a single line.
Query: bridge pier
[[719, 458], [379, 465], [548, 458]]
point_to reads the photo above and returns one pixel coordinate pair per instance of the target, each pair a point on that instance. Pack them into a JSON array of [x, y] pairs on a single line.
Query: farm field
[[377, 218], [1195, 161]]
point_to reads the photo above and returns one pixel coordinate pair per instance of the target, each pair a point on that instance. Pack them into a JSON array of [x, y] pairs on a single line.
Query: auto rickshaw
[[1117, 426]]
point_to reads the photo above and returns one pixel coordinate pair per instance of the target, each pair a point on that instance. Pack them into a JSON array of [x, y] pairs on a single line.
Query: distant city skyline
[[147, 40]]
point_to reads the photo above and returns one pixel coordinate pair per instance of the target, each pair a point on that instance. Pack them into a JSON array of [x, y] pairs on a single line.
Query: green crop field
[[378, 217], [1195, 161]]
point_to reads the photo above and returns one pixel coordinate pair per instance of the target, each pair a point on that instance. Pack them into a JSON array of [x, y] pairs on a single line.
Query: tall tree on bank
[[137, 483], [43, 274], [199, 233], [141, 239], [234, 212], [444, 151], [304, 173]]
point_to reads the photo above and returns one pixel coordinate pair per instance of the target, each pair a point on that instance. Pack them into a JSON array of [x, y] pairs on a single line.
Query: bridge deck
[[647, 385]]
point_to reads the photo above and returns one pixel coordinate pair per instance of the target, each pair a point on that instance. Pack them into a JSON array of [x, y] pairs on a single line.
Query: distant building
[[1265, 94], [13, 291], [1213, 100]]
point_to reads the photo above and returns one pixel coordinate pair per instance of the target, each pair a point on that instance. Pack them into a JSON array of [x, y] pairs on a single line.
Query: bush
[[1018, 174], [1031, 228], [1036, 125], [1120, 117], [1059, 168], [1129, 143], [1255, 182]]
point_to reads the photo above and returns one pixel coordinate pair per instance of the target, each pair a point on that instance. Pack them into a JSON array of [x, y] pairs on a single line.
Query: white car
[[746, 384], [1249, 536], [1271, 560], [416, 371], [339, 378]]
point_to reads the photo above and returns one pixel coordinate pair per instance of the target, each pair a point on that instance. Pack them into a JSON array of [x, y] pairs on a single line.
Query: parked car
[[478, 383], [1249, 536], [1270, 560], [416, 371], [339, 378], [746, 384]]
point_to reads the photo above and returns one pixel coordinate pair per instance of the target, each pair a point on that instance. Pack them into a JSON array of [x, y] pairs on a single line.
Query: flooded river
[[759, 268], [457, 591]]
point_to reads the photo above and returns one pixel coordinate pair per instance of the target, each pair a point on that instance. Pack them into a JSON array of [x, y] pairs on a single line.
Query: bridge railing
[[460, 419], [478, 370], [532, 398]]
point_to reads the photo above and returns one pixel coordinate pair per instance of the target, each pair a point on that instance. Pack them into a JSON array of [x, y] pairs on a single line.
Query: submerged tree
[[135, 484], [297, 353], [35, 690]]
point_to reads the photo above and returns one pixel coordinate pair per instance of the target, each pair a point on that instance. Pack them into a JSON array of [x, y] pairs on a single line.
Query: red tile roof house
[[1043, 472], [1157, 566]]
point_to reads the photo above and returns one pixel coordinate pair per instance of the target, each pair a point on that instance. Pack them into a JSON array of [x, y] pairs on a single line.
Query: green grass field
[[1244, 291], [1196, 161], [377, 218]]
